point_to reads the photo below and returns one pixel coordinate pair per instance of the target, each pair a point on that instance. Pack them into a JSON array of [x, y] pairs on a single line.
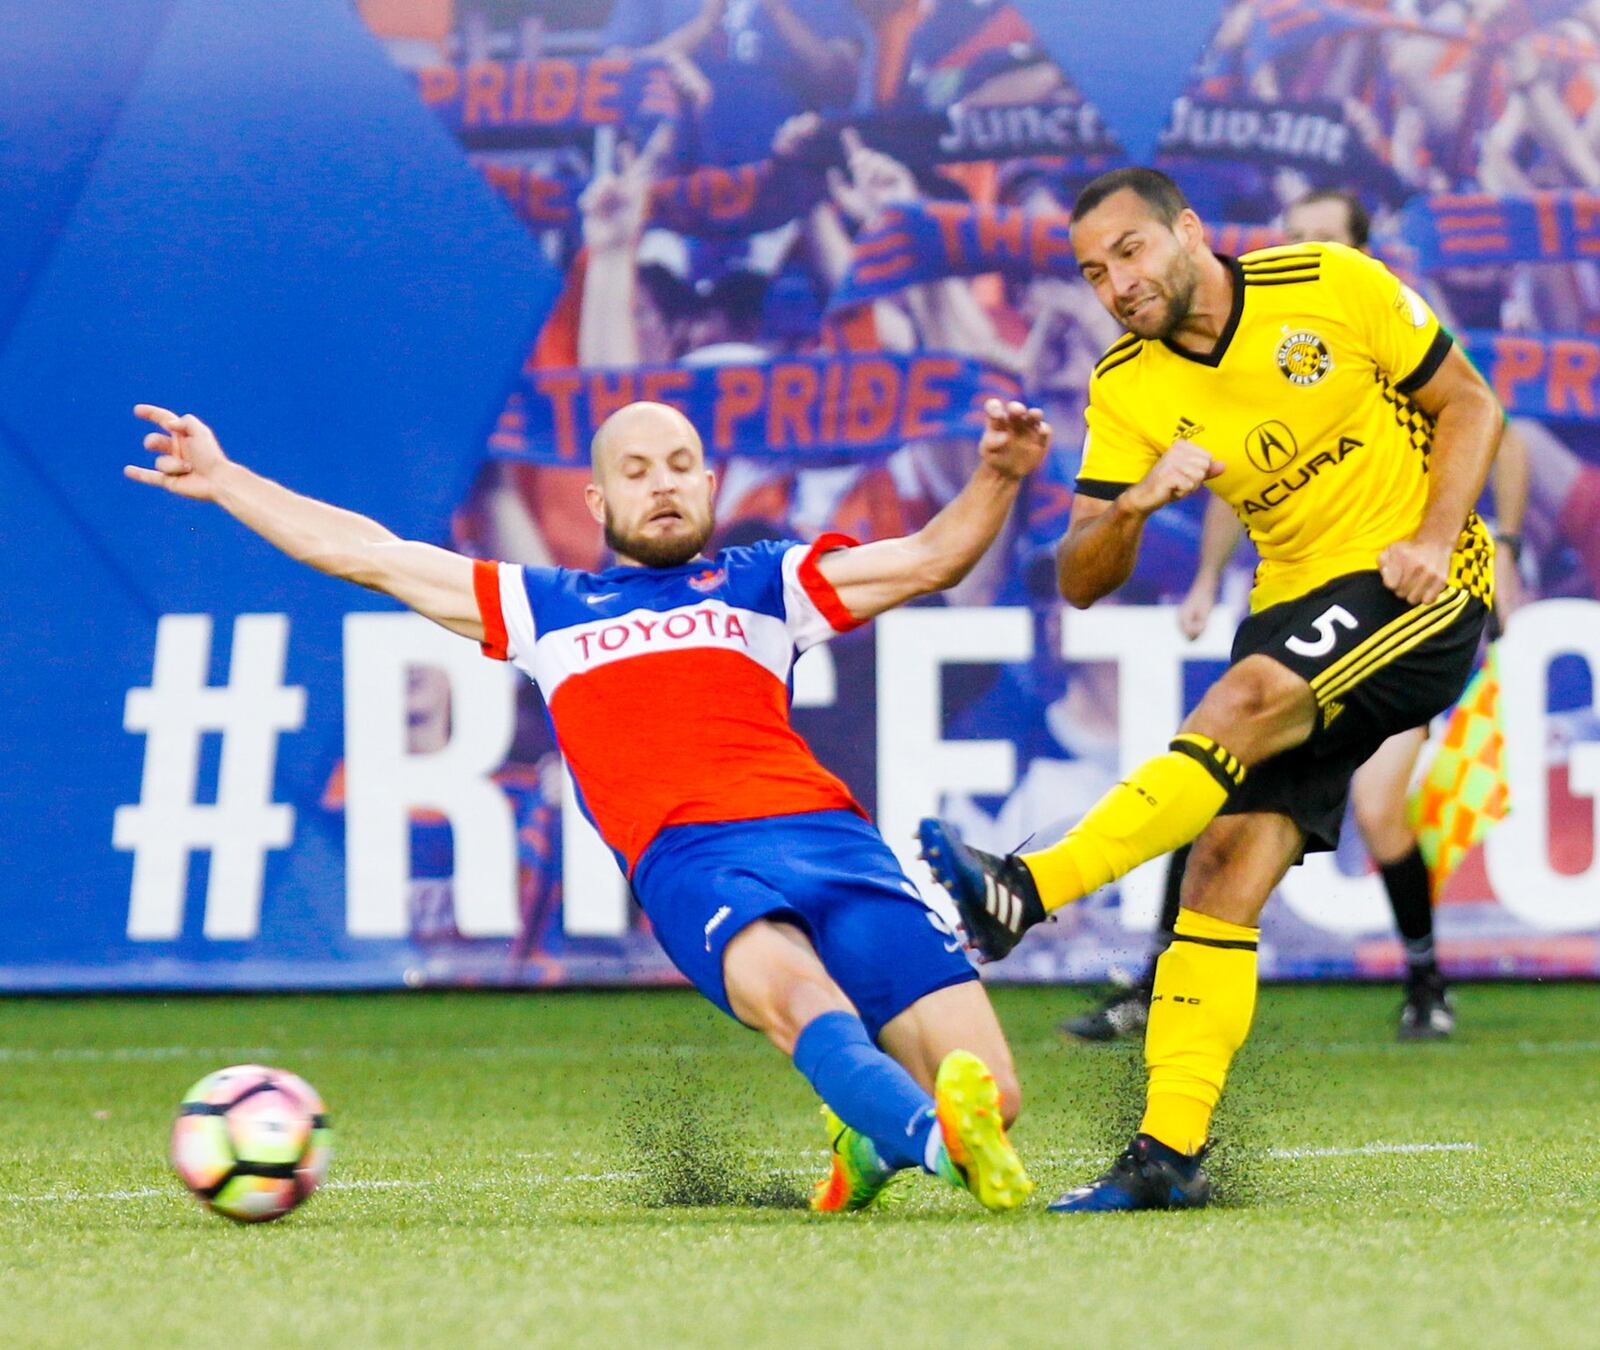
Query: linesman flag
[[1465, 789]]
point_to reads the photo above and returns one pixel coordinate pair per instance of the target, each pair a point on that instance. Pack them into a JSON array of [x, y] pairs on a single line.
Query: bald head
[[643, 427], [651, 489]]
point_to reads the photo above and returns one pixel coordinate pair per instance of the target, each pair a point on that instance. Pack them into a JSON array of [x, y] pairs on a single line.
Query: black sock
[[1411, 898], [1169, 913]]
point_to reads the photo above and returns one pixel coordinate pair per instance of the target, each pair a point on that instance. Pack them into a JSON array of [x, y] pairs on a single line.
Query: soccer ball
[[251, 1142]]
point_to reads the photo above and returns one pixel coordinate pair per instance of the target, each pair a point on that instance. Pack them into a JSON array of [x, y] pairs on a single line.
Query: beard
[[671, 551], [1176, 289]]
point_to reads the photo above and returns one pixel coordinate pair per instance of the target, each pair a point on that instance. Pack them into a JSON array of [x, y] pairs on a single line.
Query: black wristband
[[1512, 543]]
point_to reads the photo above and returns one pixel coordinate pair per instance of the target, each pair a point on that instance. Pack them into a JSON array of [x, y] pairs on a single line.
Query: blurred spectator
[[1409, 96], [753, 63]]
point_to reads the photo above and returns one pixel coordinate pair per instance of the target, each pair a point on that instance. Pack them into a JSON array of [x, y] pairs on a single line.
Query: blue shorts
[[828, 873]]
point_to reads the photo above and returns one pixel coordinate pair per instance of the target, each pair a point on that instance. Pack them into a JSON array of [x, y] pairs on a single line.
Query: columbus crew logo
[[1304, 358]]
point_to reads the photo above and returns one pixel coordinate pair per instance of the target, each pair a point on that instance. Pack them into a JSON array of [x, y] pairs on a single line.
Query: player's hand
[[1196, 607], [1015, 438], [616, 205], [1185, 468], [876, 182], [189, 461], [1416, 572]]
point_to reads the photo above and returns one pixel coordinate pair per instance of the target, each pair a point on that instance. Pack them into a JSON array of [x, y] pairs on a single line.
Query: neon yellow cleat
[[968, 1106], [857, 1177]]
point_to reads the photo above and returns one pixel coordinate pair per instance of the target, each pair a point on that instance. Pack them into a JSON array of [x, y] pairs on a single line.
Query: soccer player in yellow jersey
[[1318, 396], [1380, 788]]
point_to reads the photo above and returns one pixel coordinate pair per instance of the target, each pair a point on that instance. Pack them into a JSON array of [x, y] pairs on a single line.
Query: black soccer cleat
[[1427, 1014], [996, 897], [1119, 1017], [1147, 1175]]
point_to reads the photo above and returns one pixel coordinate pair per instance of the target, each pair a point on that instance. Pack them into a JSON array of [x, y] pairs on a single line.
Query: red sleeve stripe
[[486, 586], [820, 590]]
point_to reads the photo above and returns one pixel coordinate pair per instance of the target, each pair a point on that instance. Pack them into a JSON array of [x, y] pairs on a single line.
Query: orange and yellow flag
[[1464, 790]]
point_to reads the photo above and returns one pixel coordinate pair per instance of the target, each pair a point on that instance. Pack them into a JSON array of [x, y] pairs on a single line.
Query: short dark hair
[[1158, 192], [674, 297], [1356, 214], [739, 296]]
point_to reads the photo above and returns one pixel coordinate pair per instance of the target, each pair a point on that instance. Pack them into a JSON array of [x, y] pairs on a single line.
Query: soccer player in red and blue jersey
[[667, 680]]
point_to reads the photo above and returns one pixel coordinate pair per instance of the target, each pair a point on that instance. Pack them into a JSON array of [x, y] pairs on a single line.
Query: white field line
[[388, 1184], [142, 1193], [103, 1054], [267, 1053], [592, 1178], [1411, 1048], [154, 1192], [1369, 1150]]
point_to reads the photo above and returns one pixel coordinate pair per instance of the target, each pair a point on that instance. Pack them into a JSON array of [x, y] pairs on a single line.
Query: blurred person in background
[[754, 63]]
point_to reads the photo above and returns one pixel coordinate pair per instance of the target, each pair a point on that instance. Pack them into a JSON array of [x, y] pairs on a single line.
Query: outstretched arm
[[683, 40], [830, 63], [615, 208], [190, 463], [881, 575]]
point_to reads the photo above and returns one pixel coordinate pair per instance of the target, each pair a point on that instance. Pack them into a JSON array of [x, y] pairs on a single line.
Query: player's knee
[[791, 1004], [1380, 815], [1256, 710], [1239, 701], [777, 985], [1387, 836]]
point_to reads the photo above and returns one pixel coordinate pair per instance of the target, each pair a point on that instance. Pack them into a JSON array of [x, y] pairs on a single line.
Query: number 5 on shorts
[[1335, 616]]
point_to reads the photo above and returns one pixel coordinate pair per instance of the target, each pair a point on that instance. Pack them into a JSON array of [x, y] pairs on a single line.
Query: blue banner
[[490, 103], [1313, 138], [925, 241], [710, 202], [962, 133], [789, 413], [1547, 375], [1477, 229], [929, 241]]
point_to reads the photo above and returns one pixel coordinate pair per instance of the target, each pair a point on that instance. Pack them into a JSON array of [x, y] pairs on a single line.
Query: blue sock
[[868, 1090]]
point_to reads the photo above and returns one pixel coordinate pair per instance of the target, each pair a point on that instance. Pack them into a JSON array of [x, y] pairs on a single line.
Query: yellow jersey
[[1305, 399]]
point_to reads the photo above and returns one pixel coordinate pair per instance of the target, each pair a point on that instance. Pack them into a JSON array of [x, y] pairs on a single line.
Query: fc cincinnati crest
[[1304, 358], [708, 581]]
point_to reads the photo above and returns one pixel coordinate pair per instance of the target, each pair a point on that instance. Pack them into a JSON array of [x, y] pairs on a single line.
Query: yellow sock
[[1160, 806], [1200, 1011]]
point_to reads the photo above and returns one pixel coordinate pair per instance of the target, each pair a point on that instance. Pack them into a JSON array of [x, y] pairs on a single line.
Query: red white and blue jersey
[[669, 686]]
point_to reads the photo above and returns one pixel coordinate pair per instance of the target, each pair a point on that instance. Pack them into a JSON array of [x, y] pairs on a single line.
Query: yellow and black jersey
[[1305, 399]]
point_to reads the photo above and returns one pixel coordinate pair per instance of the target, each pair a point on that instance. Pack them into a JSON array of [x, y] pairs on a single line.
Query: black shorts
[[1376, 665]]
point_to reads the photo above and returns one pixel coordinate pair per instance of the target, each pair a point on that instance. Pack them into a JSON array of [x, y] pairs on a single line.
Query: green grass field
[[628, 1169]]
